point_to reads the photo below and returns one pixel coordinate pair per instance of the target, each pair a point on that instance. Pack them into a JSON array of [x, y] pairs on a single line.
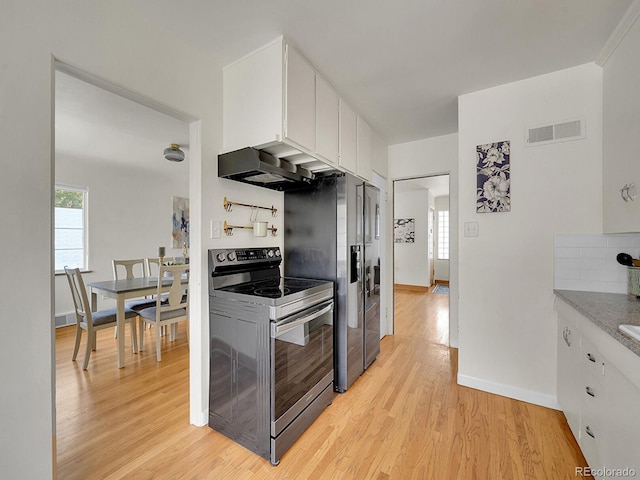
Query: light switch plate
[[215, 228], [471, 229]]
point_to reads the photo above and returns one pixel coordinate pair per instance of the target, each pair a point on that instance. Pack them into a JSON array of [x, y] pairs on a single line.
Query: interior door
[[430, 247]]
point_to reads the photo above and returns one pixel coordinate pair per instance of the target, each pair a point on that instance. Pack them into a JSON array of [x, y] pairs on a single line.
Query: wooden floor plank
[[404, 418]]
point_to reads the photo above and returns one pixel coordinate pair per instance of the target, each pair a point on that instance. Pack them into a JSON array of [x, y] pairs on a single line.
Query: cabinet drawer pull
[[589, 432], [589, 392], [591, 358]]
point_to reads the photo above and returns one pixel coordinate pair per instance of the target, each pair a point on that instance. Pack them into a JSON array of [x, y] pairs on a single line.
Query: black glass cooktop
[[274, 287]]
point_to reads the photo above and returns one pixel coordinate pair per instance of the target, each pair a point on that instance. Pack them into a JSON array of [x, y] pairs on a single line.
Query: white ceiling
[[438, 185], [400, 64], [96, 125]]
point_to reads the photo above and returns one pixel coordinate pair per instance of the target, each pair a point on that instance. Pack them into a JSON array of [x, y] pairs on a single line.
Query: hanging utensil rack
[[228, 204], [228, 229]]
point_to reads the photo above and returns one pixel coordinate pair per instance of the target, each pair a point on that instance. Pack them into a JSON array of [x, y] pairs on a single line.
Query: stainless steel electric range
[[271, 350]]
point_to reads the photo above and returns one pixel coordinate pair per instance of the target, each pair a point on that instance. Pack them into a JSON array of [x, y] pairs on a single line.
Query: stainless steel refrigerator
[[331, 232]]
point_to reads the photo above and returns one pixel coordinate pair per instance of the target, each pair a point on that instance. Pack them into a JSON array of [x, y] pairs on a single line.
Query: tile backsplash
[[588, 262]]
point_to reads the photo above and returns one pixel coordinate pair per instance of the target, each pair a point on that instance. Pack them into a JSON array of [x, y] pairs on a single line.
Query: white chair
[[133, 269], [92, 321], [175, 309], [153, 264]]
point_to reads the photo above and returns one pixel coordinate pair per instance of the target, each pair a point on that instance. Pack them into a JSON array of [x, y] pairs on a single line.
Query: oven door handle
[[277, 329]]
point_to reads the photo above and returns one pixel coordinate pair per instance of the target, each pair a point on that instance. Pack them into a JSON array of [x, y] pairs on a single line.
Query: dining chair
[[153, 264], [133, 269], [92, 321], [167, 313]]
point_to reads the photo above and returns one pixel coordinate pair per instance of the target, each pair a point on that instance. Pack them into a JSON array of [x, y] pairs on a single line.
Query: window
[[70, 246], [443, 235]]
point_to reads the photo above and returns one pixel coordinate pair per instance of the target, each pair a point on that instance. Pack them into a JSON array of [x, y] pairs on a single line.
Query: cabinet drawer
[[593, 397], [591, 440], [592, 360]]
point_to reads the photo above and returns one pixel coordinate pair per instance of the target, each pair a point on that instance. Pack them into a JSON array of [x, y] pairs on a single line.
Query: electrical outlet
[[215, 228]]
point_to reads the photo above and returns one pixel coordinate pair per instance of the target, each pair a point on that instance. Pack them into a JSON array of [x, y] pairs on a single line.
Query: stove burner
[[244, 288], [271, 292]]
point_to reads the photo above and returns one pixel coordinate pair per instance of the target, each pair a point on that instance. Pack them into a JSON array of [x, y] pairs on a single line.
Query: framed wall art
[[404, 230], [180, 222], [493, 171]]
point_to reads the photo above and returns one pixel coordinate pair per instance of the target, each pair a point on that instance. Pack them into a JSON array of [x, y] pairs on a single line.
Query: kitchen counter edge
[[607, 311]]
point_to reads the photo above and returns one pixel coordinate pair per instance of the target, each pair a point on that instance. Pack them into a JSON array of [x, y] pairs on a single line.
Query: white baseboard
[[509, 391]]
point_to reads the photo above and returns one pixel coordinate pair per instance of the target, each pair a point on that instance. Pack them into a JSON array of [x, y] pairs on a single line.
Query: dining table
[[124, 289]]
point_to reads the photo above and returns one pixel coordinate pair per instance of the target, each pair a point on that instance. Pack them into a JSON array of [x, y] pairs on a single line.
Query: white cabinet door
[[327, 119], [348, 138], [621, 142], [364, 149], [569, 373], [253, 97], [622, 422], [300, 101]]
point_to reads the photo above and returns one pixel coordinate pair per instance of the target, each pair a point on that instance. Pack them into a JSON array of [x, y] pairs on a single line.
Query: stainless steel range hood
[[260, 168]]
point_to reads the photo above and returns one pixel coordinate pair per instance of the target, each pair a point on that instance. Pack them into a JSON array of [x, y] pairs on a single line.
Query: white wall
[[434, 156], [411, 260], [442, 266], [129, 214], [507, 322]]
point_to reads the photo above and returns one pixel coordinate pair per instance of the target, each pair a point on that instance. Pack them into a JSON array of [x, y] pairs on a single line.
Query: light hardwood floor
[[404, 418]]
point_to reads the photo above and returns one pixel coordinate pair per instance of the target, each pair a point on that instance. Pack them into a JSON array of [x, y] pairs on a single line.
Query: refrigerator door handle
[[355, 264]]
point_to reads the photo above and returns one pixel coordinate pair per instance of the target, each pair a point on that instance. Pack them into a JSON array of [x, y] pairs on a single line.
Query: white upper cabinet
[[621, 142], [364, 149], [348, 138], [327, 120], [300, 100], [274, 100], [269, 98], [253, 98]]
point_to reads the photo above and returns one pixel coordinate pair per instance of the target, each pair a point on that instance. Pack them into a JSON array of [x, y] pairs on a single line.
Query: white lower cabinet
[[568, 389], [601, 404], [622, 442]]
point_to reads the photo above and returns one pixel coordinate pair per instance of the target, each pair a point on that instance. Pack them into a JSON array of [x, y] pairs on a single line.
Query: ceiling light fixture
[[173, 153]]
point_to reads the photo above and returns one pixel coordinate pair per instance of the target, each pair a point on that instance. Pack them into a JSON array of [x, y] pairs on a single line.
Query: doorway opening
[[421, 257], [109, 144]]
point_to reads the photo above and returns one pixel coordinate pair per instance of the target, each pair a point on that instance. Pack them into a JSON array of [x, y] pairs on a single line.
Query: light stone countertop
[[607, 311]]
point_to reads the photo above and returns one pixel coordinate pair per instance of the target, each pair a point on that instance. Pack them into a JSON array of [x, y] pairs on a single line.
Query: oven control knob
[[231, 256], [270, 253], [277, 252], [221, 257]]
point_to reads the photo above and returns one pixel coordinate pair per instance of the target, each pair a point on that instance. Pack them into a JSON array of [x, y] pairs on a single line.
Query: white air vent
[[559, 132]]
